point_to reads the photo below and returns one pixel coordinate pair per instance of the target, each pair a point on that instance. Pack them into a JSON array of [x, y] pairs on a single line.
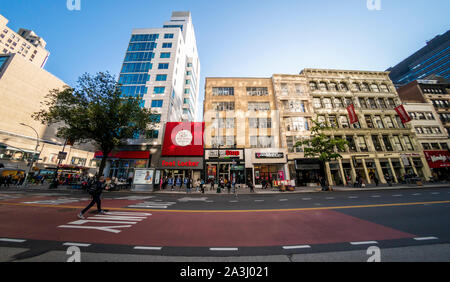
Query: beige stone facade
[[23, 86], [24, 43], [248, 125], [379, 144]]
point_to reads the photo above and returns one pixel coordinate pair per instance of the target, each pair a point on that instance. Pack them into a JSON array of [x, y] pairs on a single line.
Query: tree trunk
[[103, 163]]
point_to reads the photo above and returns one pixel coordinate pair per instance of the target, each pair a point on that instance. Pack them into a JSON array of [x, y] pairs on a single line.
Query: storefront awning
[[125, 155]]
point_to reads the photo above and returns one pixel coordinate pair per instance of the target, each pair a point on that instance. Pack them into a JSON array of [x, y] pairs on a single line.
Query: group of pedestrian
[[9, 179]]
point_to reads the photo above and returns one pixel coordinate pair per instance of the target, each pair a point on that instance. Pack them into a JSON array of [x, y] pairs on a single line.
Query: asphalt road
[[384, 225]]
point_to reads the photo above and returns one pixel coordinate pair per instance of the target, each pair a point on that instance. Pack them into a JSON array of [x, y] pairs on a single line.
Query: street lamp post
[[34, 154]]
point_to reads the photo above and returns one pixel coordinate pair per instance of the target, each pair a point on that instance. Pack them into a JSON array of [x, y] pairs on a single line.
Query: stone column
[[393, 171], [365, 171], [341, 170], [379, 170]]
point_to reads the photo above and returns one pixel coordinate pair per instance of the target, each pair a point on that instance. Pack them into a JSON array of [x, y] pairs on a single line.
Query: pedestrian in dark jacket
[[95, 191]]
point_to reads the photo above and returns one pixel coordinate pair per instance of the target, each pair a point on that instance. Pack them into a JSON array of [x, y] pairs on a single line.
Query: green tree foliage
[[95, 111], [321, 145]]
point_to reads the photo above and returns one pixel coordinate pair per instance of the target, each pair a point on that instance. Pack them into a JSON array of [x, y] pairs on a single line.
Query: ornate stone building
[[380, 143]]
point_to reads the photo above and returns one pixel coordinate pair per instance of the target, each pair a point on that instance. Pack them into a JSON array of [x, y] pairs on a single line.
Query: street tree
[[321, 144], [96, 111]]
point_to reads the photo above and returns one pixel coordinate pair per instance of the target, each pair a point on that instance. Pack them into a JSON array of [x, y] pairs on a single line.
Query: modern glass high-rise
[[431, 60], [161, 65]]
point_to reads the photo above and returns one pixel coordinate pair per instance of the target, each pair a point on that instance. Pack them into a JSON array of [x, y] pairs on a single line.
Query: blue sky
[[236, 37]]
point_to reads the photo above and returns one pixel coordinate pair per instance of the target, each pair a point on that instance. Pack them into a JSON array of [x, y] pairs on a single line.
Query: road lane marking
[[425, 238], [76, 244], [416, 194], [352, 197], [12, 240], [306, 199], [375, 196], [233, 211], [223, 249], [147, 248], [329, 198], [282, 200], [296, 247], [435, 193], [364, 243], [397, 195], [259, 200]]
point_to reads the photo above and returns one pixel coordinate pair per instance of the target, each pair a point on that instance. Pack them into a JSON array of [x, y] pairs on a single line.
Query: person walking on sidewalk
[[96, 191], [202, 186]]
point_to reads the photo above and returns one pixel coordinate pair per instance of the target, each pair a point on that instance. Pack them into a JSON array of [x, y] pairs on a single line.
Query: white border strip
[[147, 248], [12, 240], [425, 238], [296, 247], [223, 249], [364, 243], [76, 244]]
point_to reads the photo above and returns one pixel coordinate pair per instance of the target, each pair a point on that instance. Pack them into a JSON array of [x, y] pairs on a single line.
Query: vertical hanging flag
[[403, 114], [352, 114]]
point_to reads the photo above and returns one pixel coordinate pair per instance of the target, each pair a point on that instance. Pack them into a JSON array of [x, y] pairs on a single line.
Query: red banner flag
[[352, 114], [403, 114]]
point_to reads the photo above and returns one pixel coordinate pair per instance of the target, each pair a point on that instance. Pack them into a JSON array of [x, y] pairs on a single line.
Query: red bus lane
[[187, 229]]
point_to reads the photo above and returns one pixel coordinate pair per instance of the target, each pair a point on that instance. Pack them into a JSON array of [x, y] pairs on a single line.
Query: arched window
[[332, 86], [343, 86], [313, 86], [365, 87], [384, 88], [323, 86], [356, 87], [374, 87]]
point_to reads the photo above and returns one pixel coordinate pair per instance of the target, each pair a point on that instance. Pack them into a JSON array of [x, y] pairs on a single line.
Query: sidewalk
[[63, 188]]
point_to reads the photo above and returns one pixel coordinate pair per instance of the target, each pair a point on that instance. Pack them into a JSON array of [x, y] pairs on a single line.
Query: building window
[[376, 143], [159, 90], [365, 87], [294, 106], [374, 87], [356, 87], [257, 91], [323, 86], [408, 143], [397, 144], [163, 66], [327, 103], [161, 77], [223, 91], [344, 122], [388, 122], [317, 103], [223, 106], [426, 146], [362, 144], [258, 106], [369, 121], [337, 102], [313, 86], [377, 120], [384, 88], [387, 143], [168, 35], [261, 141], [362, 103], [332, 121], [157, 103], [343, 86], [372, 103], [260, 122], [165, 55], [167, 45], [351, 143]]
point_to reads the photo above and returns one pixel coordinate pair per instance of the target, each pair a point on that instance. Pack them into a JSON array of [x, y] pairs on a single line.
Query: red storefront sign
[[403, 114], [179, 164], [183, 139], [125, 155], [437, 159], [352, 114]]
